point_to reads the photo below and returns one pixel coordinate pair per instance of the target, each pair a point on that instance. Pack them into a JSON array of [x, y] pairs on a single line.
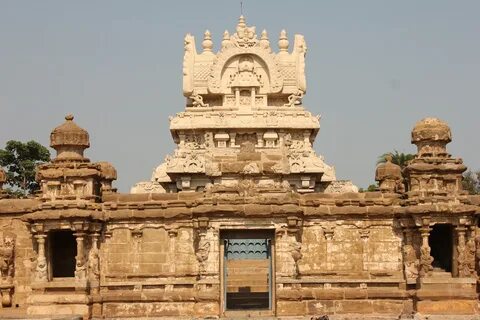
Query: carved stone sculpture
[[94, 264], [7, 250], [197, 101], [202, 253], [294, 99], [411, 262], [296, 251], [466, 258], [426, 261]]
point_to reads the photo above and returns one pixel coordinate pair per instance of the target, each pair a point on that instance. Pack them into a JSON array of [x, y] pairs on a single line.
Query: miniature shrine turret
[[433, 171], [389, 176], [71, 176], [244, 97]]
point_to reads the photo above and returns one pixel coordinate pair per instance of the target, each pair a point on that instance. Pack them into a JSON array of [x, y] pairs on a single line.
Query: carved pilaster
[[288, 252], [41, 268], [202, 249], [465, 253], [80, 263], [7, 249], [426, 259], [94, 261], [329, 231], [364, 235], [172, 235], [410, 261]]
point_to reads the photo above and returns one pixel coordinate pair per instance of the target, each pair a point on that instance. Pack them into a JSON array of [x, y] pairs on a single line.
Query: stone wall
[[161, 255], [345, 247], [24, 256]]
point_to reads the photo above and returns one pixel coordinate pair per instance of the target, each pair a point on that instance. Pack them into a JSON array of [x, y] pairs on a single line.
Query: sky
[[374, 68]]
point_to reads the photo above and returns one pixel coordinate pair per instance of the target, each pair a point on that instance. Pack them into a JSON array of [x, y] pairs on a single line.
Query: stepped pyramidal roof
[[244, 119]]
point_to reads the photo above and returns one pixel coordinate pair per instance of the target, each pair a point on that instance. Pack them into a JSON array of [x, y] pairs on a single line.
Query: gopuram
[[243, 219]]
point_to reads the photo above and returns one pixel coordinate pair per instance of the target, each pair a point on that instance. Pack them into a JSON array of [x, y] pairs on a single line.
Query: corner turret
[[71, 176]]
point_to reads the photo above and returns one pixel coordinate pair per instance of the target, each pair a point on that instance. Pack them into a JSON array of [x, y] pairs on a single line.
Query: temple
[[244, 219]]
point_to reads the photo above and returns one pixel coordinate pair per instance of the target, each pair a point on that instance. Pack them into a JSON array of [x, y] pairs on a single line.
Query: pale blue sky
[[374, 68]]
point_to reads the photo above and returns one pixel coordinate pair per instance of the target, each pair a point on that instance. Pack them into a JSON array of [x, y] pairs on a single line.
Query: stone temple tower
[[244, 119]]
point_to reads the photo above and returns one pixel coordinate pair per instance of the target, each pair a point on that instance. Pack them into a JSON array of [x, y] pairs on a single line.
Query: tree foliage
[[471, 182], [20, 160], [398, 158]]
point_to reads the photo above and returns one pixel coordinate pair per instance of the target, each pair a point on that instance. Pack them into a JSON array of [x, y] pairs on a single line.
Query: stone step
[[441, 274]]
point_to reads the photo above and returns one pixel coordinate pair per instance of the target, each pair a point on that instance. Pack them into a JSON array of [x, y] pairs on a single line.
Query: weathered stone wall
[[24, 254], [161, 255], [344, 247]]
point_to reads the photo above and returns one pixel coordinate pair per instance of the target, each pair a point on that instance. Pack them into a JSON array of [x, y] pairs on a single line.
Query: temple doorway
[[441, 244], [247, 270], [63, 249]]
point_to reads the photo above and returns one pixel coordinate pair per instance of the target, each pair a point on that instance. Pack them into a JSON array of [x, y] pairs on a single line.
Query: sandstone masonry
[[244, 218]]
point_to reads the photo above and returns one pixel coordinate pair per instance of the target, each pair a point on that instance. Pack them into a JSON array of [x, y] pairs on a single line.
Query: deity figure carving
[[41, 269], [197, 101], [7, 251], [80, 268], [202, 253], [426, 260], [296, 252], [94, 264], [411, 262], [466, 258], [295, 99]]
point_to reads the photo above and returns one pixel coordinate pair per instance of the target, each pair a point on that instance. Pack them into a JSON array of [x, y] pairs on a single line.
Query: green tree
[[20, 160], [471, 182], [398, 158]]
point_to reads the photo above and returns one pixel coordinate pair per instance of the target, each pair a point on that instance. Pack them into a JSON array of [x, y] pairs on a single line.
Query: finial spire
[[283, 41], [264, 42], [226, 39], [241, 23], [207, 43]]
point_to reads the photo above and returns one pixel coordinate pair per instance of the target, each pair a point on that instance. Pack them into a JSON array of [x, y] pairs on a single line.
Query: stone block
[[155, 309], [59, 309], [158, 258], [328, 294], [353, 306], [206, 309], [154, 235], [290, 308], [446, 307], [388, 306], [355, 293], [320, 307]]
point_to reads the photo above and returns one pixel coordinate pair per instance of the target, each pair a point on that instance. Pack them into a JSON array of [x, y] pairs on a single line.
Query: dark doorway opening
[[63, 249], [441, 245], [248, 269]]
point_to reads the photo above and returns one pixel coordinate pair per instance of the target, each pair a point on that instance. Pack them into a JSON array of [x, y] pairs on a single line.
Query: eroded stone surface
[[244, 166]]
